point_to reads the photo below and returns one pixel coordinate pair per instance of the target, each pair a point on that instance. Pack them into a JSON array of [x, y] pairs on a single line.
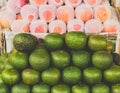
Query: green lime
[[60, 58], [116, 88], [102, 59], [51, 76], [76, 40], [97, 42], [81, 59], [100, 88], [60, 88], [20, 88], [54, 41], [92, 75], [3, 88], [71, 75], [30, 76], [80, 88], [10, 76], [41, 88]]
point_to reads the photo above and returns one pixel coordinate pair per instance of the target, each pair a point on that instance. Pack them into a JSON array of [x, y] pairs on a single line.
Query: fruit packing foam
[[65, 10]]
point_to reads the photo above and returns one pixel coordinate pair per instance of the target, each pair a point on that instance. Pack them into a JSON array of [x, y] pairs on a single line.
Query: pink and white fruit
[[57, 26], [38, 26], [93, 3], [37, 2], [57, 3], [20, 26], [93, 26], [6, 18], [65, 13], [29, 12], [75, 25], [84, 12], [111, 26], [73, 3], [47, 12], [16, 5]]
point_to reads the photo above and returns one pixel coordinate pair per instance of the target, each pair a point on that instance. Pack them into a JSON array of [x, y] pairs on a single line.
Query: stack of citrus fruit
[[69, 63]]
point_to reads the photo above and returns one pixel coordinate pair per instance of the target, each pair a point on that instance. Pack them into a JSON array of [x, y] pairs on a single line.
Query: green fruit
[[53, 41], [92, 75], [76, 40], [116, 58], [112, 75], [116, 88], [30, 76], [40, 88], [10, 76], [110, 46], [100, 88], [20, 88], [60, 58], [39, 60], [81, 58], [61, 88], [102, 59], [81, 88], [1, 81], [3, 88], [71, 75], [97, 42], [19, 60], [24, 42], [51, 76]]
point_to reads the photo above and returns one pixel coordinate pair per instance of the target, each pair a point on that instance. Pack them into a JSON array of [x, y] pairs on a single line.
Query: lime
[[71, 75], [60, 58]]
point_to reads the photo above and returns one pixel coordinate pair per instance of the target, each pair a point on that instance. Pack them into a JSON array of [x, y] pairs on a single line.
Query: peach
[[75, 25], [84, 12], [5, 19], [47, 12], [65, 13], [20, 26], [73, 3], [57, 26], [16, 5], [57, 3], [102, 13], [38, 2], [93, 26], [29, 12], [93, 3], [38, 26], [111, 26]]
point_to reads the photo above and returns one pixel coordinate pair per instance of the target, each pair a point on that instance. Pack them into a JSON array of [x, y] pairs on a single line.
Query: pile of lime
[[69, 63]]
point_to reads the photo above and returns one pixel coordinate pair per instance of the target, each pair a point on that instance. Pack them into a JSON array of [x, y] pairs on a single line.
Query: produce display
[[73, 62], [62, 14]]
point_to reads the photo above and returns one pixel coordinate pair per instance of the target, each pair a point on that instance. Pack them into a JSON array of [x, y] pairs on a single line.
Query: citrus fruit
[[30, 76], [116, 88], [80, 88], [92, 75], [60, 58], [100, 88], [41, 88], [51, 76], [102, 59], [20, 88], [19, 60], [60, 88], [71, 75], [112, 75], [3, 88], [81, 59], [10, 76], [97, 42], [76, 40], [53, 41]]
